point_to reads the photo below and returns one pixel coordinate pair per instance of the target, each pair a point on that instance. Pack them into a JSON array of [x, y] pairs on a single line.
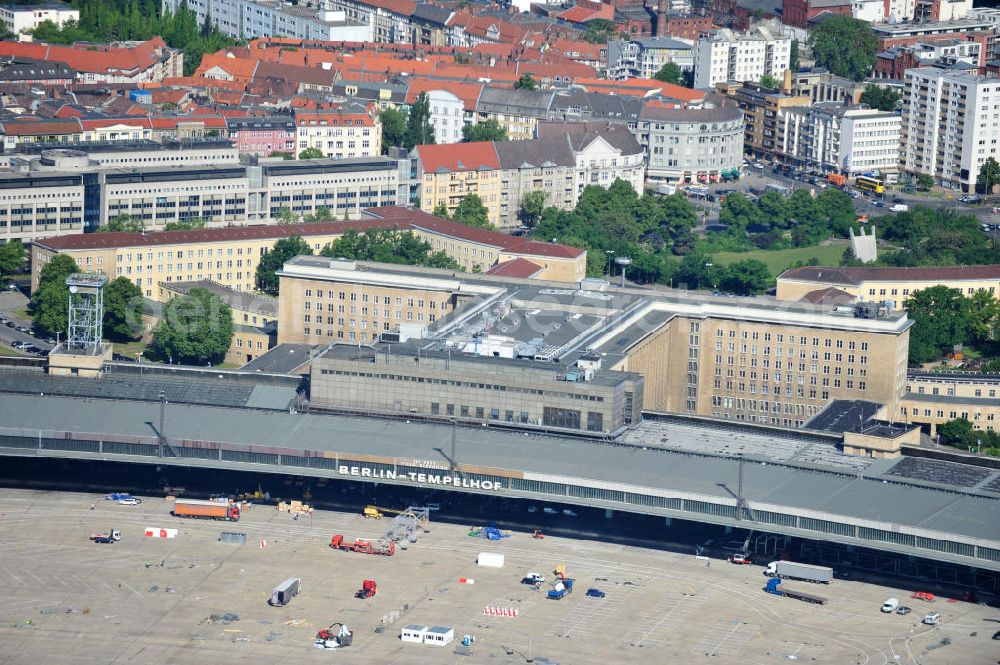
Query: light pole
[[163, 407], [623, 261], [607, 267]]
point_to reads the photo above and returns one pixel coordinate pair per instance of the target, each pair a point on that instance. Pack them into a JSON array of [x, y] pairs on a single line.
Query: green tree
[[599, 31], [924, 182], [283, 250], [472, 212], [124, 224], [669, 73], [441, 210], [188, 224], [989, 174], [322, 214], [388, 246], [285, 215], [311, 153], [419, 130], [793, 56], [845, 46], [958, 433], [489, 130], [747, 277], [880, 97], [697, 271], [50, 301], [206, 27], [526, 82], [197, 328], [941, 319], [769, 82], [12, 257], [393, 128], [984, 312], [122, 310], [532, 207]]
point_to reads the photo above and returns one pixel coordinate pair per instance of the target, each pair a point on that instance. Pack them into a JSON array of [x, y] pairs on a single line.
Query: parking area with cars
[[16, 330]]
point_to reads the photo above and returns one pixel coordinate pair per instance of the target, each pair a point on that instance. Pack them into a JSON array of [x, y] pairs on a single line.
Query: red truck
[[363, 546], [213, 510]]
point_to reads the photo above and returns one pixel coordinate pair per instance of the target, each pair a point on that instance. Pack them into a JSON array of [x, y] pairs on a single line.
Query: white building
[[447, 116], [897, 11], [341, 133], [730, 56], [845, 139], [872, 11], [949, 125], [251, 19], [24, 18], [941, 10], [643, 58]]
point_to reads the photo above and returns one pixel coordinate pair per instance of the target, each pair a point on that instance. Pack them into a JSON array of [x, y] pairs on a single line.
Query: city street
[[11, 302]]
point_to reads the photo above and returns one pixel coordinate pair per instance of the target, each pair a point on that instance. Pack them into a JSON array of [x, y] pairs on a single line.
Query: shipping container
[[285, 591]]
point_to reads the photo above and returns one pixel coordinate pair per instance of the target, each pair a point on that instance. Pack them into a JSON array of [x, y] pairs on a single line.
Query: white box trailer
[[285, 591], [490, 559]]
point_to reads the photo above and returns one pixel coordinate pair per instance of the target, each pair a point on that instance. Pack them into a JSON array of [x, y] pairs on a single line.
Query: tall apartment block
[[732, 56]]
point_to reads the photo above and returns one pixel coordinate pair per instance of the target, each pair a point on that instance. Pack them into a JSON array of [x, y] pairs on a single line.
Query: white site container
[[439, 636], [413, 633], [490, 559]]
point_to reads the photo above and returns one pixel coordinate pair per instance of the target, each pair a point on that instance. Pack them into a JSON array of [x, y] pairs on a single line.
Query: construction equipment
[[799, 571], [561, 589], [420, 514], [383, 547], [774, 586], [111, 536], [214, 510], [368, 590], [538, 535], [333, 637], [257, 495]]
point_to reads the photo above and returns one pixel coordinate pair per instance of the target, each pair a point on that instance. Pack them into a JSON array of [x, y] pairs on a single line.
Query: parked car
[[129, 502], [19, 344], [890, 605], [533, 579], [595, 593], [932, 619], [899, 207], [10, 324], [550, 511], [903, 609], [739, 559], [971, 199], [568, 513]]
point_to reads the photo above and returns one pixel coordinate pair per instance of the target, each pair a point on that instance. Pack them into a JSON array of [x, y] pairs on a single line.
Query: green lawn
[[7, 351], [778, 260], [130, 349]]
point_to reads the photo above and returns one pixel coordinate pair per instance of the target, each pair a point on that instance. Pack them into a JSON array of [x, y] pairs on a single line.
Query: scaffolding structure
[[86, 312]]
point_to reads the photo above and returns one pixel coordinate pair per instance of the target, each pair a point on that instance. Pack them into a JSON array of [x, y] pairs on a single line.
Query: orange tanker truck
[[212, 510]]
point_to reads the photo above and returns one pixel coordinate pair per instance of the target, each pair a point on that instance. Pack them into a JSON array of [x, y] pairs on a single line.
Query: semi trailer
[[778, 589], [212, 510], [799, 571]]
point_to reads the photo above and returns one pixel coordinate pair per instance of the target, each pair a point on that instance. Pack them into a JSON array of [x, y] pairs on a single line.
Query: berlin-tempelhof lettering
[[422, 478]]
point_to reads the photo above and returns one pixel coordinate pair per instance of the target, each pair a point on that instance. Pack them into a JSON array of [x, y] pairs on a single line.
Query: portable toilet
[[413, 633], [439, 636]]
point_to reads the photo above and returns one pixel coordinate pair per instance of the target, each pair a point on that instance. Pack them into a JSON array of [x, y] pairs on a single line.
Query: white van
[[890, 605], [899, 207], [932, 619]]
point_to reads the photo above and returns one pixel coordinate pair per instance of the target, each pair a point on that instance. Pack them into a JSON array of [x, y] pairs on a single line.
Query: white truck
[[799, 571]]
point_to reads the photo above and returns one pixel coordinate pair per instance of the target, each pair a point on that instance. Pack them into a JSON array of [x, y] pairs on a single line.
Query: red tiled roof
[[404, 7], [458, 156], [855, 276], [515, 268], [467, 92], [419, 219], [378, 218], [99, 123], [101, 59], [829, 295], [38, 127]]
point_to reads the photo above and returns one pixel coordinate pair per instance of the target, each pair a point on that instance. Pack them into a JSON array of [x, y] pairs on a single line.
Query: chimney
[[661, 18]]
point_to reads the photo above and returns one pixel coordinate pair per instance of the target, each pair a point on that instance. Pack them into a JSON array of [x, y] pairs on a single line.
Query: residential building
[[800, 13], [700, 143], [43, 157], [353, 131], [900, 11], [250, 19], [230, 255], [730, 56], [643, 58], [750, 360], [849, 140], [561, 162], [955, 54], [948, 130], [35, 72], [764, 116], [125, 62], [452, 105], [872, 11], [887, 285], [980, 31], [517, 110], [941, 10], [820, 85], [25, 18], [263, 136]]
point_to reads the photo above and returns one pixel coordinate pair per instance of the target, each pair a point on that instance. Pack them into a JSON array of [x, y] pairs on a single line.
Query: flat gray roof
[[847, 494]]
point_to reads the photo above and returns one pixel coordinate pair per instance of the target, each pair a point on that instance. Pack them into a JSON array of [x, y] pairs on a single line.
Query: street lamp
[[163, 406], [607, 267], [623, 261]]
